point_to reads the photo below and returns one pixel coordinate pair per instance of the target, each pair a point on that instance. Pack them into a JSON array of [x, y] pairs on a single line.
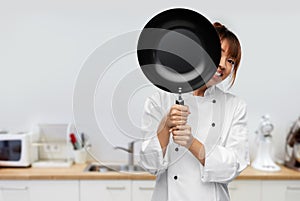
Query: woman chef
[[196, 149]]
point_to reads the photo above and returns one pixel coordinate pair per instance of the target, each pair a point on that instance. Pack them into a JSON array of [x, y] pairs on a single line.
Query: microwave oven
[[17, 150]]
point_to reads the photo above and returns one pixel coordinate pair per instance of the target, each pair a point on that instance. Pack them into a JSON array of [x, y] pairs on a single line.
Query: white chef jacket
[[179, 174]]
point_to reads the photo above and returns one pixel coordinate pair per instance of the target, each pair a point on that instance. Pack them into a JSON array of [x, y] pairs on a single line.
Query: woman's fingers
[[181, 110], [178, 115], [175, 112], [182, 135], [178, 118], [182, 127]]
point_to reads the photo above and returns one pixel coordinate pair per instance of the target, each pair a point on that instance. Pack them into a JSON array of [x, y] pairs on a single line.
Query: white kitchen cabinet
[[14, 190], [142, 190], [135, 190], [245, 190], [105, 190], [37, 190], [286, 190], [50, 190]]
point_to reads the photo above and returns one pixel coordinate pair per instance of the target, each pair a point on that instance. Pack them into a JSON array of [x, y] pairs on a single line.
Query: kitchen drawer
[[105, 190], [285, 190], [142, 190], [37, 190], [50, 190], [14, 190], [245, 190]]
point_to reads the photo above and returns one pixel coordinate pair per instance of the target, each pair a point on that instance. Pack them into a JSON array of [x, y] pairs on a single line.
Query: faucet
[[130, 151]]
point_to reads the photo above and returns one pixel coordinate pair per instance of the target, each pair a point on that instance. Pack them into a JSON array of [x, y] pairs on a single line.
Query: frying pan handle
[[179, 101]]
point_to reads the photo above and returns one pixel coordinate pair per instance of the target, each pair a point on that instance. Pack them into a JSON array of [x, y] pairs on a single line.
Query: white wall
[[43, 45]]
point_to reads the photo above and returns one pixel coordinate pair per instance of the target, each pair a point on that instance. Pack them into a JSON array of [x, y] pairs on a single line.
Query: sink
[[96, 167]]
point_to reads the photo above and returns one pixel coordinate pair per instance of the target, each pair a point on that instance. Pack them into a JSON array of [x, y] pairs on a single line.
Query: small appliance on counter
[[263, 160], [16, 149], [292, 147]]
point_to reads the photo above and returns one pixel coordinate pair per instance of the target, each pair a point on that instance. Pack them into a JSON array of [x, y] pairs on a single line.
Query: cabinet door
[[105, 190], [142, 190], [286, 190], [292, 192], [14, 190], [50, 190], [245, 190]]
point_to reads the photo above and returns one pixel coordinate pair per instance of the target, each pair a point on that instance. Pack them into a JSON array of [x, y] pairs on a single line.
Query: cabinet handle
[[115, 188], [146, 188], [295, 188], [14, 188], [233, 188]]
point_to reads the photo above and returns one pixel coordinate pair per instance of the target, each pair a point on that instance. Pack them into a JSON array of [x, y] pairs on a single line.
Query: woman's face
[[225, 66]]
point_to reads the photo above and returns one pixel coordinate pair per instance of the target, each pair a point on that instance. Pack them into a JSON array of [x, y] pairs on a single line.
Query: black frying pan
[[179, 50]]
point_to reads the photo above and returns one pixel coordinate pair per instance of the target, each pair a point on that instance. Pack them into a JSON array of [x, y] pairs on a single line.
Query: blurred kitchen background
[[44, 44]]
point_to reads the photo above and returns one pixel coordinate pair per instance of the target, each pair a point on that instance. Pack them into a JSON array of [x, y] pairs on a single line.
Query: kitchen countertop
[[76, 172]]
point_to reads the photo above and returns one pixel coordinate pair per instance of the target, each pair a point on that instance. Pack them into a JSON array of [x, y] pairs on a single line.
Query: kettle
[[292, 147]]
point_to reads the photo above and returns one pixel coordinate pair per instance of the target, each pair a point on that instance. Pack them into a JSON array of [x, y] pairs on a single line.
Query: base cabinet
[[244, 190], [281, 190], [264, 190], [51, 190], [116, 190], [14, 190], [105, 190], [142, 190], [135, 190], [37, 190]]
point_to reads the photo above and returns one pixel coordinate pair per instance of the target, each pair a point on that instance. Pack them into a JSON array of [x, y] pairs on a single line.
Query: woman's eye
[[231, 61]]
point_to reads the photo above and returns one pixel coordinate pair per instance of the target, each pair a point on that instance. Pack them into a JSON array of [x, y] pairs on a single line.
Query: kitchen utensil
[[263, 160], [179, 50], [74, 142], [292, 146]]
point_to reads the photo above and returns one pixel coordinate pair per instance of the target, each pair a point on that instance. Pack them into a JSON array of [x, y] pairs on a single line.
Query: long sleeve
[[228, 159], [151, 155]]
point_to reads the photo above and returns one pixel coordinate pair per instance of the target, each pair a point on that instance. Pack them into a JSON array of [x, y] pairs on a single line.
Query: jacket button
[[176, 149], [214, 101], [175, 177], [213, 124]]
